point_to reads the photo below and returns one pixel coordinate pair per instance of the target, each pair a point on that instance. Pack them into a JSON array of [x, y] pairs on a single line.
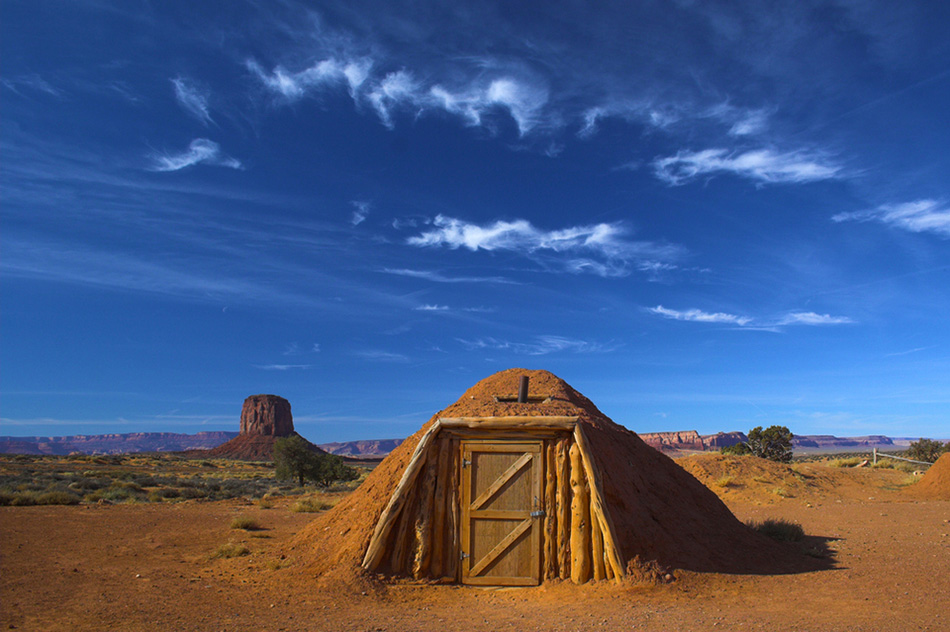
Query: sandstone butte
[[264, 419]]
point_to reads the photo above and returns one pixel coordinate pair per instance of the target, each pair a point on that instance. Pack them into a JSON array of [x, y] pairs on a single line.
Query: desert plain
[[164, 565]]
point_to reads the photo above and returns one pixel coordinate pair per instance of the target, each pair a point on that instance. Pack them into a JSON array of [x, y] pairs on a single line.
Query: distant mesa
[[264, 419]]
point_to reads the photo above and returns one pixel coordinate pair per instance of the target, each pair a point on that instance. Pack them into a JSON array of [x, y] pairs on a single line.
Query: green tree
[[926, 450], [294, 458], [774, 443]]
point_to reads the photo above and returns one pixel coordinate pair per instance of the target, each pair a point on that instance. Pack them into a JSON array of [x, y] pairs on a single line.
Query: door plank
[[506, 476], [500, 548]]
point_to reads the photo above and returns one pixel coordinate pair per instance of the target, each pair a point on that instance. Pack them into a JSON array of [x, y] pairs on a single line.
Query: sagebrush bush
[[310, 505], [778, 529], [245, 522], [231, 550]]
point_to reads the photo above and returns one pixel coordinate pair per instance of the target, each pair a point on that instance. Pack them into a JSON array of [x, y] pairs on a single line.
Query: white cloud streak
[[192, 98], [200, 151], [382, 356], [438, 277], [791, 318], [541, 345], [699, 316], [920, 216], [811, 318], [603, 248], [761, 165], [282, 367], [432, 308]]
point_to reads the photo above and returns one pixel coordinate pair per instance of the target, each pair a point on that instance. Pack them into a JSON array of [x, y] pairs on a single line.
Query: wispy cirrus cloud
[[32, 83], [811, 318], [601, 249], [200, 151], [282, 367], [377, 355], [523, 98], [361, 211], [791, 318], [193, 98], [446, 309], [762, 165], [432, 308], [920, 216], [438, 277], [540, 345], [699, 316], [322, 74]]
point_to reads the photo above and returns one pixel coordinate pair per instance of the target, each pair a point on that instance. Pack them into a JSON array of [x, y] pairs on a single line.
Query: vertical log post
[[453, 546], [440, 502], [597, 542], [580, 520], [404, 541], [563, 511], [550, 510], [423, 527]]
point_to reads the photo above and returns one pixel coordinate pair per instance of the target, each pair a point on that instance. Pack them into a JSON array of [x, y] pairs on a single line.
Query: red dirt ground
[[145, 567]]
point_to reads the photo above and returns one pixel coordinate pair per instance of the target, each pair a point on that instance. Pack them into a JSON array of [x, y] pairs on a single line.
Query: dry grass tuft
[[781, 530], [246, 523], [231, 550]]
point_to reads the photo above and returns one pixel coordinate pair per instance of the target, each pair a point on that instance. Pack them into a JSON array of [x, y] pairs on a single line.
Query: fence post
[[875, 456]]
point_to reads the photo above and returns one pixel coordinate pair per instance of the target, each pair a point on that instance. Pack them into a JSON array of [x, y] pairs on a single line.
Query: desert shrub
[[725, 481], [310, 505], [737, 449], [6, 498], [85, 484], [927, 450], [781, 530], [231, 550], [57, 498], [773, 443], [245, 522], [849, 462], [192, 493], [23, 499], [781, 492]]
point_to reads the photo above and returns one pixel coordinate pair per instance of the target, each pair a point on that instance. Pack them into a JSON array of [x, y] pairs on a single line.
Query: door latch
[[540, 513]]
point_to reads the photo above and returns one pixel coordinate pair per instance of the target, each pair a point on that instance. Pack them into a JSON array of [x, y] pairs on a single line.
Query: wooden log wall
[[577, 541]]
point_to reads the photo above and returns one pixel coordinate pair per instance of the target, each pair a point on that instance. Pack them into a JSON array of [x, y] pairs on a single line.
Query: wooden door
[[501, 513]]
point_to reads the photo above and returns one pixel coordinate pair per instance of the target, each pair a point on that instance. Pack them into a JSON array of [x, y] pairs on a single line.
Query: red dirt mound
[[664, 518], [754, 479], [936, 482]]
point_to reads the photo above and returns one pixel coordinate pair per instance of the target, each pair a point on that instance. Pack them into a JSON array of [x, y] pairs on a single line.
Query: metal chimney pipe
[[523, 390]]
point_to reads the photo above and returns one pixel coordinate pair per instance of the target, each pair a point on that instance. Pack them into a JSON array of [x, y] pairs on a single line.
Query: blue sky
[[702, 215]]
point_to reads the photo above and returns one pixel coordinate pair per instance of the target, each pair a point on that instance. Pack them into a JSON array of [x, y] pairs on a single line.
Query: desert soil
[[148, 567]]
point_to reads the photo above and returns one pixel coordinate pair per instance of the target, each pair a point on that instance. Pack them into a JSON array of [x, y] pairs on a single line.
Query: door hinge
[[466, 462], [540, 513], [463, 555]]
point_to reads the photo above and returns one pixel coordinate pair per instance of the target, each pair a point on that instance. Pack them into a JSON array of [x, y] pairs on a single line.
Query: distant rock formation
[[668, 441], [267, 415], [723, 440], [830, 441], [114, 443], [264, 419], [375, 447]]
